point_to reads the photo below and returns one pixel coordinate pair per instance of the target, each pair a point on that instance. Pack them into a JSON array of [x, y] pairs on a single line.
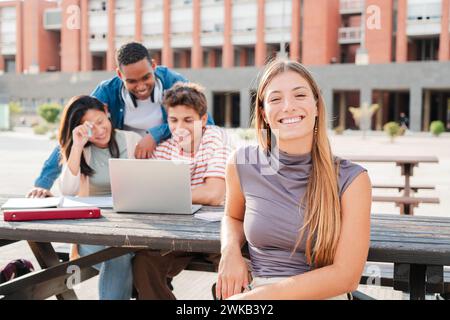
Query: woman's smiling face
[[290, 108], [100, 126]]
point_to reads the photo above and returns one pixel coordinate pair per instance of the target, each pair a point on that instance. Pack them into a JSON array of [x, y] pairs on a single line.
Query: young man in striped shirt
[[207, 150], [204, 146]]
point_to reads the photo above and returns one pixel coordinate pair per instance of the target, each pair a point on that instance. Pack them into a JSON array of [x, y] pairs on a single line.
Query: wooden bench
[[385, 277], [401, 187], [406, 204]]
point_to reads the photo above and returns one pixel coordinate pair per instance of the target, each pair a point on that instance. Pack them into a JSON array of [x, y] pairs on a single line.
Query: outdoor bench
[[401, 187], [406, 204]]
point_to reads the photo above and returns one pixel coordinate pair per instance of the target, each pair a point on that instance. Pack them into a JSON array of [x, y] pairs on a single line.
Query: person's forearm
[[206, 196], [319, 284], [74, 161], [159, 133], [232, 234], [50, 171]]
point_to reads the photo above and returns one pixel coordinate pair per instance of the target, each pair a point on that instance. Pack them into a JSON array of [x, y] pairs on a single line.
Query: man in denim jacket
[[133, 99]]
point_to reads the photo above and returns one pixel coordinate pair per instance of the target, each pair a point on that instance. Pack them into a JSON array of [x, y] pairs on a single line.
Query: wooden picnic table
[[419, 247], [407, 164]]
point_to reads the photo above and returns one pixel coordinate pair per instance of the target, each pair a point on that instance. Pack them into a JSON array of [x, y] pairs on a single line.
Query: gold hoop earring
[[315, 128]]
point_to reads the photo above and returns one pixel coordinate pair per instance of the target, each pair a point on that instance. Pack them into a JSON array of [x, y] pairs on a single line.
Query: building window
[[99, 62], [250, 57], [237, 57], [226, 109], [206, 59], [423, 49], [10, 65], [182, 59]]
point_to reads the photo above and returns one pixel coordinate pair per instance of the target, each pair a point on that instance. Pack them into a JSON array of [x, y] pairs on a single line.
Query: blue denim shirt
[[109, 92]]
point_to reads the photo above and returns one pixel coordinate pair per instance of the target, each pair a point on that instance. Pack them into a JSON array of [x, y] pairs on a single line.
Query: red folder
[[51, 214]]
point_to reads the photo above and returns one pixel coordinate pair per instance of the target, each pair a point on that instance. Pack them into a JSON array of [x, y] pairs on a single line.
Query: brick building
[[329, 36]]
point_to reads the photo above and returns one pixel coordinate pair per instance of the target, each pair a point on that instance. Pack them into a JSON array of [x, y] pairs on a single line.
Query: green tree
[[50, 112]]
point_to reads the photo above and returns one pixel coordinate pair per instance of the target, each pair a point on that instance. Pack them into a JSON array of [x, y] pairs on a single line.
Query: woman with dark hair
[[87, 142]]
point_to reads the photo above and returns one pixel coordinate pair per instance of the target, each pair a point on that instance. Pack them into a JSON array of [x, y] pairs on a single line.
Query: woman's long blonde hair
[[322, 218]]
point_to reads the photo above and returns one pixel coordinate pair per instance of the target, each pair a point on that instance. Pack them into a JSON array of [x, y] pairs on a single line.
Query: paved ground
[[22, 155]]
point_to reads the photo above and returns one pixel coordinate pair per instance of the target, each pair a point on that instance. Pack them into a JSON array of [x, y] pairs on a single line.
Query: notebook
[[51, 214], [58, 202]]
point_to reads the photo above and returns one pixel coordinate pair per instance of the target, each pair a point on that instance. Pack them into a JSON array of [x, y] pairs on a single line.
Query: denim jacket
[[109, 92]]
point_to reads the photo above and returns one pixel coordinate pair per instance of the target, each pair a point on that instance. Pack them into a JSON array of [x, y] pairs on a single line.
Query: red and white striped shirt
[[210, 159]]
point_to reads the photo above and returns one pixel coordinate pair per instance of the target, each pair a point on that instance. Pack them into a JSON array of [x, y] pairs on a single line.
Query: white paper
[[80, 202], [58, 202], [209, 215], [32, 203]]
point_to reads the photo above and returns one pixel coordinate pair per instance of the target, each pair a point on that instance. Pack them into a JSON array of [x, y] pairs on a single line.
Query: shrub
[[50, 112], [437, 127], [41, 129], [392, 129], [15, 108]]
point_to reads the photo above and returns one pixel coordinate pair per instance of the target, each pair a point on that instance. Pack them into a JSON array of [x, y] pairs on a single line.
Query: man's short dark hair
[[187, 94], [132, 52]]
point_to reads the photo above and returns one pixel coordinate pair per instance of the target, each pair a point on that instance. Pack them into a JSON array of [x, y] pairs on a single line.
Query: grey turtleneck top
[[273, 216]]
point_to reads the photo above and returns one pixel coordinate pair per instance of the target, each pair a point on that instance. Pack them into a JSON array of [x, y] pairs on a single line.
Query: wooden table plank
[[83, 226], [394, 159], [402, 237]]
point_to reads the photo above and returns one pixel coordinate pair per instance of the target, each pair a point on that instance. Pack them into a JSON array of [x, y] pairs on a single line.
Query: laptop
[[151, 186]]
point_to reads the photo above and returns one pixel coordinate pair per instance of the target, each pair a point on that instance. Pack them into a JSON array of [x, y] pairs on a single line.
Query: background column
[[228, 54], [415, 109], [327, 94], [197, 53], [402, 41], [209, 101], [321, 20], [70, 36], [295, 31], [138, 18], [260, 49], [111, 53], [245, 108], [86, 58], [444, 37], [379, 41], [167, 55], [19, 37]]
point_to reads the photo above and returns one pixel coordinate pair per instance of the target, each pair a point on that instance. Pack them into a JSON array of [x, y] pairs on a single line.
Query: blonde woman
[[307, 219]]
